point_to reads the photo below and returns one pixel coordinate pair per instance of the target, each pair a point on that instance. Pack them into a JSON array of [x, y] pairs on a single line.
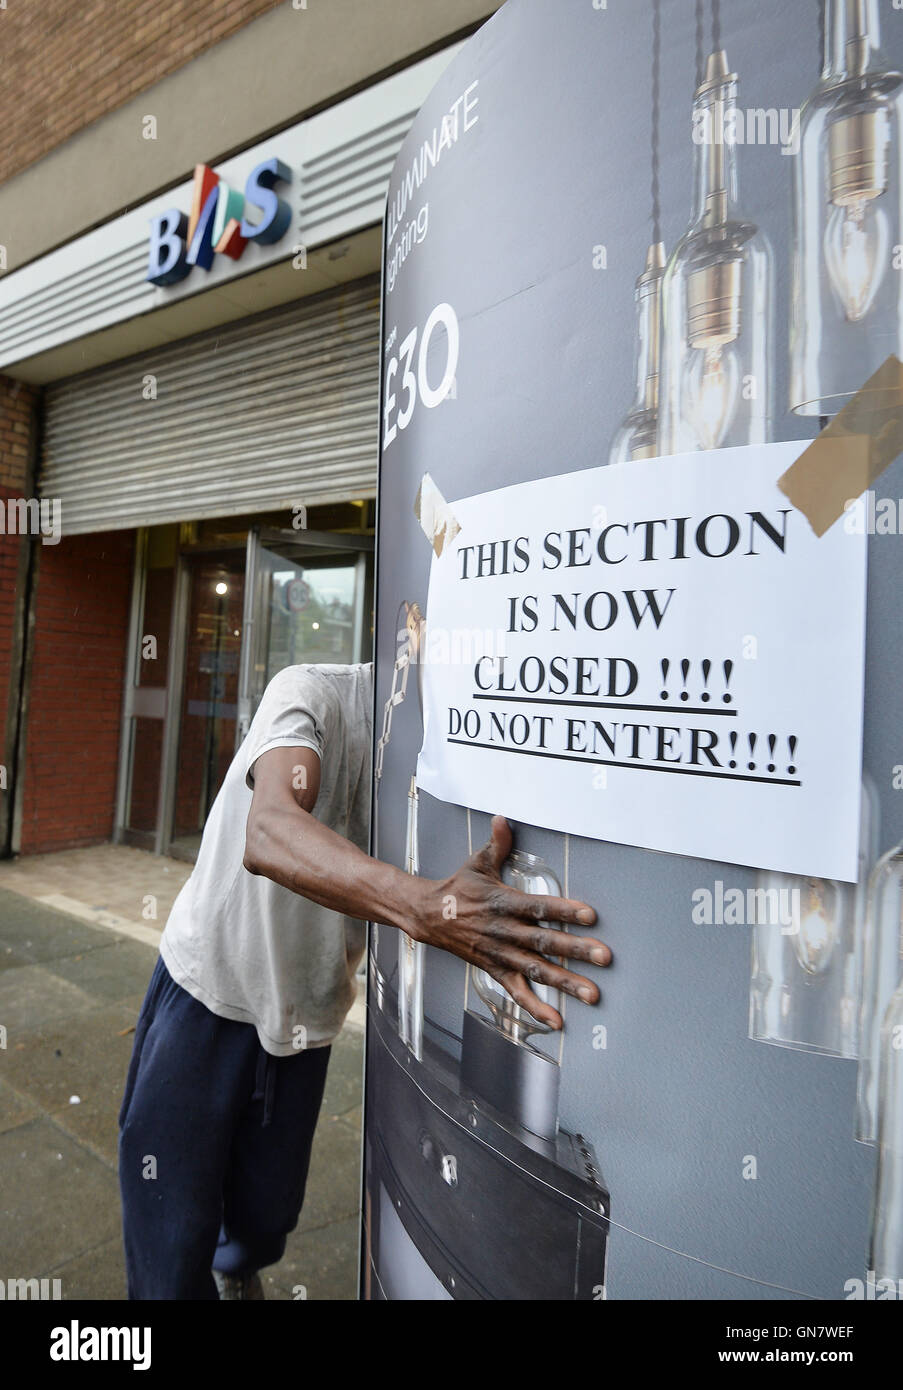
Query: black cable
[[656, 109], [716, 25], [700, 39], [820, 6]]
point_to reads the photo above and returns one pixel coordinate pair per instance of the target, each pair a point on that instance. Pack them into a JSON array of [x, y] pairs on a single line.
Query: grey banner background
[[559, 163]]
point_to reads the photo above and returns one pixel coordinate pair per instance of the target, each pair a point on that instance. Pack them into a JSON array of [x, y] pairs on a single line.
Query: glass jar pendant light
[[881, 971], [528, 874], [716, 296], [637, 435], [846, 299], [499, 1063], [807, 954], [410, 952], [886, 1243]]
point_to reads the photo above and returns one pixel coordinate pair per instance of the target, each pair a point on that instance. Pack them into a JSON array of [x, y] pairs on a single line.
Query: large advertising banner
[[639, 567]]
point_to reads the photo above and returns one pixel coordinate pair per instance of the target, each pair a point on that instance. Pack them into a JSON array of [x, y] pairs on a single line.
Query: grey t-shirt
[[244, 946]]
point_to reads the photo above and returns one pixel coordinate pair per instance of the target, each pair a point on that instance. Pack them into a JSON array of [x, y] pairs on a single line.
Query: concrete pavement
[[70, 991]]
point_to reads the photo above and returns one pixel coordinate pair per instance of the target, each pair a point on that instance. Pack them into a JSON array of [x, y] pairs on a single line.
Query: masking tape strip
[[846, 458], [436, 518]]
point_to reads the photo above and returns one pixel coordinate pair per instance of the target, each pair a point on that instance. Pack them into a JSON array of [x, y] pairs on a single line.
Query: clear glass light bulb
[[529, 874], [886, 1245], [881, 971], [711, 389], [817, 937], [805, 984], [856, 253], [411, 954]]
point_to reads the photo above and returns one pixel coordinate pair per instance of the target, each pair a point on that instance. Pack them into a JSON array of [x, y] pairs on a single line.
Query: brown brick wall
[[17, 416], [75, 696], [63, 65]]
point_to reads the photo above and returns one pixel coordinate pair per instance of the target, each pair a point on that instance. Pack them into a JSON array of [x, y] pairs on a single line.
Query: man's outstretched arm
[[472, 914]]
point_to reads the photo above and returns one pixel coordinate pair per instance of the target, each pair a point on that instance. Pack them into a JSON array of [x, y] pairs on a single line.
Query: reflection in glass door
[[306, 602], [210, 692], [146, 686]]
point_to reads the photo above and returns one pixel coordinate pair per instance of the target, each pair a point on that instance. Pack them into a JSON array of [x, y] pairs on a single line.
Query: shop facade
[[191, 405]]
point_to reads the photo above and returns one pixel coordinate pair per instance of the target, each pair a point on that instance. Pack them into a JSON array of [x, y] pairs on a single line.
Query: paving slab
[[110, 972], [333, 1186], [354, 1118], [34, 995], [39, 933], [87, 1057], [15, 1109], [57, 1200], [109, 878], [324, 1261], [97, 1274], [10, 958], [344, 1078]]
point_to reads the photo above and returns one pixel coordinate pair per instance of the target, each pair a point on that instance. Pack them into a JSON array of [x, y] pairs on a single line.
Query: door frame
[[292, 545]]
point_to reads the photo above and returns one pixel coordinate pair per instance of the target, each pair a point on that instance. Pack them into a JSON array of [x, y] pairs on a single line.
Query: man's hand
[[491, 925], [475, 915]]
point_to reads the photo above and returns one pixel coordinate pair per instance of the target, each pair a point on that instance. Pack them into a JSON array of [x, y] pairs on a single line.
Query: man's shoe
[[238, 1286]]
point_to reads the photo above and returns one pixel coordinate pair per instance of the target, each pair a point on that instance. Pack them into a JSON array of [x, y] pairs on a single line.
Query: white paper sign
[[658, 653]]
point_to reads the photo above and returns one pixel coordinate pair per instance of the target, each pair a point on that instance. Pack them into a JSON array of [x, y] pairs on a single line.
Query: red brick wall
[[75, 698], [68, 64], [17, 418]]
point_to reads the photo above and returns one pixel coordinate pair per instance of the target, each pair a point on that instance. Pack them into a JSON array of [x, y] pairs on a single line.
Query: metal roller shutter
[[258, 415]]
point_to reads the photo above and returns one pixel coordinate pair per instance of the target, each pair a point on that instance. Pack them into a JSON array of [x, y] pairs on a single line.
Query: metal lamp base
[[518, 1081]]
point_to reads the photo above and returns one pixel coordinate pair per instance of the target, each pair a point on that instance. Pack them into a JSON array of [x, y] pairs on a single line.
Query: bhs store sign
[[218, 223]]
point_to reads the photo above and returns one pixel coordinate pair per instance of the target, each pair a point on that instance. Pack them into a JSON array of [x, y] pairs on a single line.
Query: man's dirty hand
[[509, 934]]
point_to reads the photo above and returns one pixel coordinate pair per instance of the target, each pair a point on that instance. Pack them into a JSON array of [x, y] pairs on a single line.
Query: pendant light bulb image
[[528, 874], [815, 942], [846, 305], [856, 254], [807, 953], [886, 1243], [711, 388], [637, 435], [410, 952], [410, 640], [498, 1063], [881, 972], [716, 296]]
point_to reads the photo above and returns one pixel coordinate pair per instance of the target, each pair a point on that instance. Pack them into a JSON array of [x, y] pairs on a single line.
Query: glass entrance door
[[308, 599], [211, 624], [209, 703]]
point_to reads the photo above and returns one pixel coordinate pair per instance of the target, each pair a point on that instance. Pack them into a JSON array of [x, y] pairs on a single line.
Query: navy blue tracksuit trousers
[[214, 1145]]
